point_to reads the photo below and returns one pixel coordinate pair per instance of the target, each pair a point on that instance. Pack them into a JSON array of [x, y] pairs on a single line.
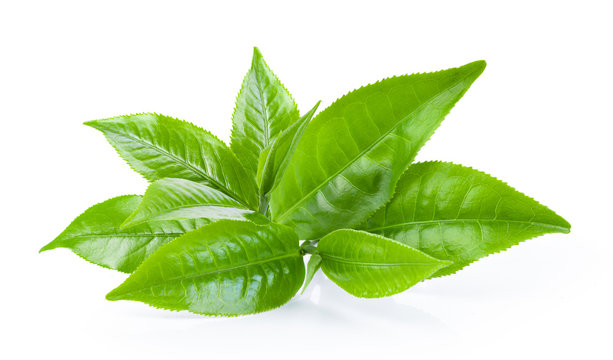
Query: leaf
[[226, 268], [158, 146], [264, 108], [96, 237], [178, 199], [368, 265], [275, 157], [460, 214], [312, 267], [351, 155]]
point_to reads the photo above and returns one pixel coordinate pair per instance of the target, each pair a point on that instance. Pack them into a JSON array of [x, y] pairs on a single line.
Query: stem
[[309, 247], [263, 204]]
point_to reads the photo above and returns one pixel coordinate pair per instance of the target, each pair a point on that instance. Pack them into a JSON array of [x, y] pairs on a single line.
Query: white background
[[539, 118]]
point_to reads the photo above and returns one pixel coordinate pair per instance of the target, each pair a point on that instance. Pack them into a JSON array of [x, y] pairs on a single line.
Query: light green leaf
[[368, 265], [225, 268], [351, 155], [312, 268], [264, 108], [179, 199], [460, 214], [275, 157], [159, 146], [96, 237]]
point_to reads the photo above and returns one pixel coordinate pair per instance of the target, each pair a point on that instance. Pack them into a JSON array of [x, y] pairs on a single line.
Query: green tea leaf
[[312, 268], [351, 155], [368, 265], [179, 199], [460, 214], [275, 157], [158, 146], [225, 268], [264, 108], [96, 237]]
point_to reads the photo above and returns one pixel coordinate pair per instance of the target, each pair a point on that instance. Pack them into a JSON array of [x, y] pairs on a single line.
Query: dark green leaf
[[95, 235], [159, 146], [460, 214], [264, 108], [225, 268], [368, 265], [351, 155]]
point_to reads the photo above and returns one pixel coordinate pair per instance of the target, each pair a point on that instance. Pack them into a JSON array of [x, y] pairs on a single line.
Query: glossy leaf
[[351, 155], [264, 109], [275, 157], [368, 265], [313, 266], [96, 237], [158, 146], [179, 199], [460, 214], [227, 268]]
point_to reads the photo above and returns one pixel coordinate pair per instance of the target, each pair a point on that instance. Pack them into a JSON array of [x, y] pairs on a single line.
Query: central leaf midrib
[[186, 164], [217, 270], [372, 264], [127, 235], [357, 157], [264, 105], [153, 216], [421, 222]]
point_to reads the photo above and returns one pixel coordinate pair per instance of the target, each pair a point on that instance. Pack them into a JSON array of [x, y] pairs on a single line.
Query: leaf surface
[[264, 109], [351, 155], [96, 235], [226, 268], [275, 157], [179, 199], [159, 146], [368, 265], [460, 214]]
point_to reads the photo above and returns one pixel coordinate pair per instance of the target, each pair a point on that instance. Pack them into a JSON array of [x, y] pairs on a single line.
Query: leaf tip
[[129, 222], [565, 226], [444, 263], [115, 294], [257, 56], [49, 246], [91, 123], [475, 67]]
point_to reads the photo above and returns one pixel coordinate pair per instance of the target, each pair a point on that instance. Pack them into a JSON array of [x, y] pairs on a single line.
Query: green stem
[[309, 247], [263, 204]]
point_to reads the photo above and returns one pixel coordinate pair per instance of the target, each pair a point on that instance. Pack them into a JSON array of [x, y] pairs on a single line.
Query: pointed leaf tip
[[462, 230], [477, 67], [256, 51], [49, 246], [114, 295], [91, 123]]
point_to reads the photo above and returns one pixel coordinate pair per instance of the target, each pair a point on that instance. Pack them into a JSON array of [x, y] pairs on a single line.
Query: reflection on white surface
[[324, 316]]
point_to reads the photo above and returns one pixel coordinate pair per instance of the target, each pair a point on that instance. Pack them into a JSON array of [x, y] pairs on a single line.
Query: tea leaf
[[179, 199], [460, 214], [351, 155], [96, 236], [264, 108], [158, 146], [274, 159], [226, 268], [368, 265]]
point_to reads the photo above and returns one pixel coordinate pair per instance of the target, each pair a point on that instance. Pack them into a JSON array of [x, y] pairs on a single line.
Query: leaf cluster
[[223, 230]]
